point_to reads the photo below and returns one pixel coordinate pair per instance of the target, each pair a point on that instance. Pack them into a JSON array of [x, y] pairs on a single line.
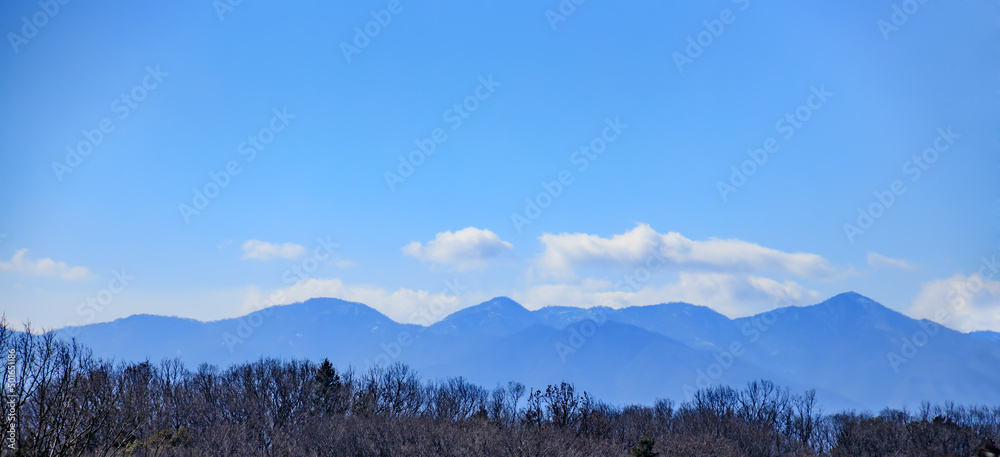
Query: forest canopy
[[60, 400]]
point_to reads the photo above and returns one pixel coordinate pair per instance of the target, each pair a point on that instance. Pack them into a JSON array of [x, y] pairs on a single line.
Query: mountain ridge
[[843, 347]]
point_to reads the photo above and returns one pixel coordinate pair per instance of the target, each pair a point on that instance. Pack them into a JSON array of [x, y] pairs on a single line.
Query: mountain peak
[[680, 307], [499, 315], [326, 308], [494, 306], [856, 310], [631, 354], [851, 295], [853, 301], [500, 302]]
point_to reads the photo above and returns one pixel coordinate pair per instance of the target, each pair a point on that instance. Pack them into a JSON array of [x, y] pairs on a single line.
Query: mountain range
[[856, 353]]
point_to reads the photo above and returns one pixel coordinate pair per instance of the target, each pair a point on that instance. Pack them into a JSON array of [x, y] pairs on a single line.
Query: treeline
[[65, 402]]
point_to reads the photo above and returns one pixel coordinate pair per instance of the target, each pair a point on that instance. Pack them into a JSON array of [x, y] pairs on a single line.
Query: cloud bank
[[564, 253]]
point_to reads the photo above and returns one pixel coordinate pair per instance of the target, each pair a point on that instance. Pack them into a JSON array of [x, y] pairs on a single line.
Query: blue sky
[[184, 90]]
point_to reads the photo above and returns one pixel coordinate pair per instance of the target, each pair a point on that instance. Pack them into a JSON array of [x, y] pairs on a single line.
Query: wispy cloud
[[43, 267], [564, 253], [734, 295], [262, 250], [469, 248], [879, 261]]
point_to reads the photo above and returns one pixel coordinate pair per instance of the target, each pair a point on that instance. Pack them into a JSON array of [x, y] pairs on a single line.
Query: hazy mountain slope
[[696, 326], [617, 362], [144, 336], [842, 347], [855, 346], [499, 316], [346, 332]]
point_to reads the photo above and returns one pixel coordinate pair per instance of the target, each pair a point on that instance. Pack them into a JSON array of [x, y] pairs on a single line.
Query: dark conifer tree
[[644, 448], [328, 386]]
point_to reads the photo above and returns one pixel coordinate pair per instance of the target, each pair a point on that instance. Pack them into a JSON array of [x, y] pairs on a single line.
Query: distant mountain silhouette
[[855, 352], [499, 316]]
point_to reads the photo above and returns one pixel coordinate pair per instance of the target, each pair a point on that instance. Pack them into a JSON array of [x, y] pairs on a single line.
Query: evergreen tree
[[644, 448], [328, 386]]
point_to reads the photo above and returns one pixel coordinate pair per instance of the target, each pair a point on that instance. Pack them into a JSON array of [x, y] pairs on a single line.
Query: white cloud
[[964, 303], [262, 250], [734, 295], [43, 267], [469, 248], [402, 305], [877, 261], [565, 252]]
